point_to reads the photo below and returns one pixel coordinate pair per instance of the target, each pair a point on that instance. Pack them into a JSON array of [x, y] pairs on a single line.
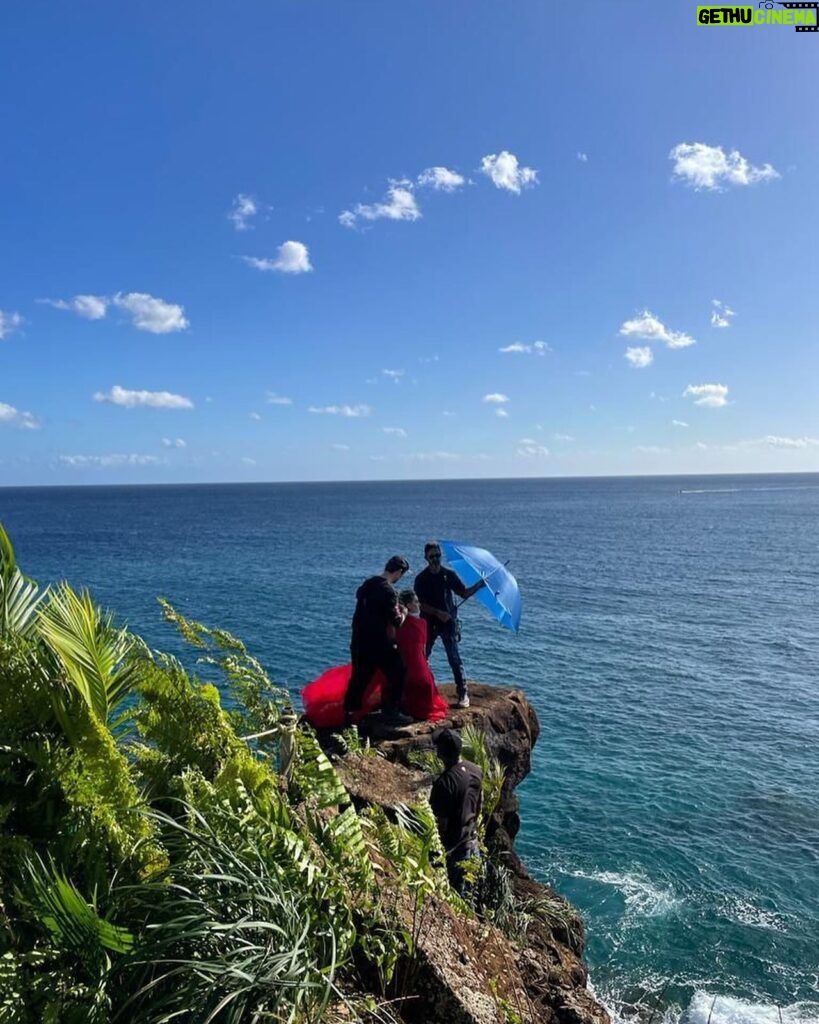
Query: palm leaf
[[91, 651], [19, 595], [70, 919], [313, 773]]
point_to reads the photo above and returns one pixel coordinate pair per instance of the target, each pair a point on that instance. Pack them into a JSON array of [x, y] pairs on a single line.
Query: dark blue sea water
[[670, 644]]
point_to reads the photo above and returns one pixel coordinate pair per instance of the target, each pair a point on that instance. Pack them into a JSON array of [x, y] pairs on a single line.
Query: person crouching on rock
[[456, 799], [373, 646]]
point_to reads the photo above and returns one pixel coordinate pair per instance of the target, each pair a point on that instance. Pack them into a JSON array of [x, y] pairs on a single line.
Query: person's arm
[[457, 586], [398, 614], [434, 613], [439, 802], [393, 612]]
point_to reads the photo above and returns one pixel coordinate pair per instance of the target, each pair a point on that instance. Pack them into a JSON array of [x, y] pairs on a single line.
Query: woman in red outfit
[[324, 697], [421, 698]]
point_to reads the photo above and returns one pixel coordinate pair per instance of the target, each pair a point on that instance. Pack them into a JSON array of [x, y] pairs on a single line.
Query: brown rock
[[466, 971]]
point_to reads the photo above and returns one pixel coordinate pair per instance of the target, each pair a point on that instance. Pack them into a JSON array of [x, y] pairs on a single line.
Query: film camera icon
[[795, 6]]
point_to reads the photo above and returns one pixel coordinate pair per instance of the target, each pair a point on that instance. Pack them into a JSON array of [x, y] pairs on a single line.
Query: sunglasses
[[434, 556]]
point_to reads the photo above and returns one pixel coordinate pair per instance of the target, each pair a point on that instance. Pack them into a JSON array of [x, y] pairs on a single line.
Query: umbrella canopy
[[500, 595]]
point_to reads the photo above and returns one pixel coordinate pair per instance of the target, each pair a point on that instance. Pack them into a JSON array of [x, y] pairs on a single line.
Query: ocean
[[669, 643]]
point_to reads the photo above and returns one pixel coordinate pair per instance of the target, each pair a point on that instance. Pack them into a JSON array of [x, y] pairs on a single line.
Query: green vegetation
[[165, 857]]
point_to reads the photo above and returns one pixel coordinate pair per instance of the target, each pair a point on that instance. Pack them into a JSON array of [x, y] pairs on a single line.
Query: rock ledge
[[467, 971]]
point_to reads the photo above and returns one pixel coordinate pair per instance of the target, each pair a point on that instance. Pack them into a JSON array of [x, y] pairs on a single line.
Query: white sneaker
[[463, 702]]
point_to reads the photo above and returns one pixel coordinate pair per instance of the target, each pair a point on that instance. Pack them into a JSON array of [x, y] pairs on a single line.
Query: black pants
[[455, 867], [367, 658]]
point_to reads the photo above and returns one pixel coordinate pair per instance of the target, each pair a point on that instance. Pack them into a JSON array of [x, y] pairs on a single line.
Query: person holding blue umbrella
[[437, 587]]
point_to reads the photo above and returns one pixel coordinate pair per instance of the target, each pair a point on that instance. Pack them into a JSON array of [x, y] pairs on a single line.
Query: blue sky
[[292, 240]]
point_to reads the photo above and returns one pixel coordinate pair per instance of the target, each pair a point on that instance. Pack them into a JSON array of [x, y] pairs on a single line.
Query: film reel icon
[[801, 6]]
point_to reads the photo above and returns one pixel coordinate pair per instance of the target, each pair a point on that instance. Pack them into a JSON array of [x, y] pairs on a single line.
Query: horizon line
[[414, 480]]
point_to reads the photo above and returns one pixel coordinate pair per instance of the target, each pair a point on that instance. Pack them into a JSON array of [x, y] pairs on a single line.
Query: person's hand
[[444, 616]]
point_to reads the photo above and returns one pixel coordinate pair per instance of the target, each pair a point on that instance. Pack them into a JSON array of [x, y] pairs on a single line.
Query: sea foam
[[705, 1006]]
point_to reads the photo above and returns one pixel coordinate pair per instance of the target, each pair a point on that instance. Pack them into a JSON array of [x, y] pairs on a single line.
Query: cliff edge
[[466, 971]]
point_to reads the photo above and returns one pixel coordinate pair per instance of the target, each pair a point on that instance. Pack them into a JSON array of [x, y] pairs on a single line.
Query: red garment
[[324, 697], [421, 698]]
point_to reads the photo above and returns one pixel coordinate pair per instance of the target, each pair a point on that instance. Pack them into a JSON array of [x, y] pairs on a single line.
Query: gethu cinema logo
[[803, 16]]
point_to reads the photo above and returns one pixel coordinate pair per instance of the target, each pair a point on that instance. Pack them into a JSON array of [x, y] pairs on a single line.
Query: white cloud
[[449, 414], [149, 399], [150, 314], [529, 448], [712, 395], [501, 412], [9, 323], [395, 431], [772, 441], [646, 325], [399, 204], [243, 210], [18, 418], [539, 348], [106, 461], [395, 375], [505, 172], [174, 442], [340, 447], [441, 179], [678, 423], [90, 307], [254, 416], [721, 315], [710, 167], [247, 461], [440, 456], [495, 398], [274, 399], [640, 357], [582, 158], [651, 449], [341, 410], [147, 313], [563, 437], [293, 258], [769, 441]]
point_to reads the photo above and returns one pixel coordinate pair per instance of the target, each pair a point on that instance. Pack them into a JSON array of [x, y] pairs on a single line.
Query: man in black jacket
[[456, 799], [376, 618]]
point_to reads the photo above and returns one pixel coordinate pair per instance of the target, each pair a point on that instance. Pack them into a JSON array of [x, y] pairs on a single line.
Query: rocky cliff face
[[467, 971]]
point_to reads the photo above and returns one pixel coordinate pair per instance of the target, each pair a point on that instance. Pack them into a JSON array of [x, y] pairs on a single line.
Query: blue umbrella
[[500, 595]]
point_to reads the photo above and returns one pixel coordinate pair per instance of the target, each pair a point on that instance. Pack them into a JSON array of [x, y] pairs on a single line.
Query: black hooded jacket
[[376, 613]]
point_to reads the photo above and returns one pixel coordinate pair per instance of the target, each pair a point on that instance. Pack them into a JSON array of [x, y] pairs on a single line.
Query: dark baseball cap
[[397, 564]]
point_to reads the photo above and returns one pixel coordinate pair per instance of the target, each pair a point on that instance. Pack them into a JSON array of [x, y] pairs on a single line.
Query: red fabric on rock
[[324, 698]]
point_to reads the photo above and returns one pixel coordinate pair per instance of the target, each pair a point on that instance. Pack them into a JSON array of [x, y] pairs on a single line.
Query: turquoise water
[[669, 644]]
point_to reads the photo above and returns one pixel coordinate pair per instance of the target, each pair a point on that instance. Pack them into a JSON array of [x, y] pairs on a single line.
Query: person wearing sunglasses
[[437, 587]]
